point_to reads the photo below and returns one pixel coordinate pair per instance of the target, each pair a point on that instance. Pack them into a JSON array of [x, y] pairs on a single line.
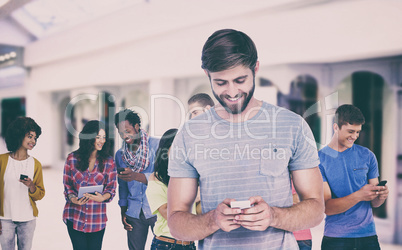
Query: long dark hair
[[18, 129], [87, 145], [162, 156]]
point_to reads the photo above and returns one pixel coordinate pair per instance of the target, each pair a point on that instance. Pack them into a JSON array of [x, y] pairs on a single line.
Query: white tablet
[[90, 189]]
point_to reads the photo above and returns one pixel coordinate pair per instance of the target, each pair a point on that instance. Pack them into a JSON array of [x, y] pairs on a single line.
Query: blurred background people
[[135, 163], [92, 164], [157, 197], [21, 185], [199, 103]]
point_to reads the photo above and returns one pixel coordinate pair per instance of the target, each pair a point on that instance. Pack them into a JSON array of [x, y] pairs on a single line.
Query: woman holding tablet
[[91, 165]]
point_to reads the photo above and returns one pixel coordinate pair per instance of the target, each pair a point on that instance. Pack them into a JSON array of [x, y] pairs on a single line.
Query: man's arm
[[306, 214], [129, 175], [382, 193], [187, 226], [340, 205]]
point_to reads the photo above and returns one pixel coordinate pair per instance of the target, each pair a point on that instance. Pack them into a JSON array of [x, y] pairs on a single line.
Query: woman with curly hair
[[21, 185], [157, 197], [92, 164]]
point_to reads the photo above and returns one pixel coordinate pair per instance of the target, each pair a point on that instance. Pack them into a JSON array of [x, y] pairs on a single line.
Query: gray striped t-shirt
[[240, 160]]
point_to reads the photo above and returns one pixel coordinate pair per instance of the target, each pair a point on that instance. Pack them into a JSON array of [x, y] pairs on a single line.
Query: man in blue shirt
[[135, 163], [350, 174]]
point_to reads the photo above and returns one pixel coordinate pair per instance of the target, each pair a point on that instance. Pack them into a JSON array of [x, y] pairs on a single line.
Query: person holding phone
[[350, 174], [92, 164], [135, 163], [242, 149], [21, 185]]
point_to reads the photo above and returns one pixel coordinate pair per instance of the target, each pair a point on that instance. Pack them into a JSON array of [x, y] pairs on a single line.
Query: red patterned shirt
[[90, 217]]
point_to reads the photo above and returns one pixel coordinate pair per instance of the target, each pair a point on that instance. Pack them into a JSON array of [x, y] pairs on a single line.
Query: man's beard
[[234, 109]]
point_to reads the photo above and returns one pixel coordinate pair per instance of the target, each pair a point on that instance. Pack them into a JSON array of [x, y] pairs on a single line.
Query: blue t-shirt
[[132, 194], [240, 160], [346, 172]]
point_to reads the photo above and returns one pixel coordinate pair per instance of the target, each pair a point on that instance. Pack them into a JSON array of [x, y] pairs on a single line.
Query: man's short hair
[[348, 113], [201, 98], [226, 49], [127, 115]]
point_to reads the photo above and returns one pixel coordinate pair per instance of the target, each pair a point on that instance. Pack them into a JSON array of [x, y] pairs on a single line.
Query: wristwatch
[[70, 196]]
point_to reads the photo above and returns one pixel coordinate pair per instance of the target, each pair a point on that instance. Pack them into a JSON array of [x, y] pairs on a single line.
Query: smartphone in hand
[[240, 204], [120, 169], [382, 183], [22, 177]]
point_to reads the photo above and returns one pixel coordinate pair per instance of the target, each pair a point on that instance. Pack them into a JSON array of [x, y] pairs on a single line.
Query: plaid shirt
[[90, 217]]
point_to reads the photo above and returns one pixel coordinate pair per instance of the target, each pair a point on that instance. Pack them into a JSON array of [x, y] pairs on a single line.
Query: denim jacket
[[132, 194]]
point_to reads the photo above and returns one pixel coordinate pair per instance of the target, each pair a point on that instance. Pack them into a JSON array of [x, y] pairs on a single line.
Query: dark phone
[[22, 177], [119, 170], [382, 183]]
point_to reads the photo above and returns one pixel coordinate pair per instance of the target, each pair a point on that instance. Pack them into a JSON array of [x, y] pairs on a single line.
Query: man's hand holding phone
[[224, 215], [257, 217], [126, 174], [383, 191], [120, 170]]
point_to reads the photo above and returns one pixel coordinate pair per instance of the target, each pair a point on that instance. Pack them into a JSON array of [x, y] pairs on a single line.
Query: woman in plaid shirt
[[92, 164]]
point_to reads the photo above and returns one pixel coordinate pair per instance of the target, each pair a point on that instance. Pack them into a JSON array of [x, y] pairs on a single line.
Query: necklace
[[22, 169]]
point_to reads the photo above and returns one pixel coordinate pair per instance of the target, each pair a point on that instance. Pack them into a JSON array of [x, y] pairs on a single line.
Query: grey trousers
[[138, 236]]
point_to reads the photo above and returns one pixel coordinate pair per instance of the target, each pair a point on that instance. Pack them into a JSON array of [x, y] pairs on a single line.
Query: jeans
[[24, 230], [305, 244], [85, 241], [138, 236], [162, 245], [363, 243]]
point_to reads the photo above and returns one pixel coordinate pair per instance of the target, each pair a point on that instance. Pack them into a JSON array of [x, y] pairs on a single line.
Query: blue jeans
[[363, 243], [304, 244], [24, 231], [162, 245]]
